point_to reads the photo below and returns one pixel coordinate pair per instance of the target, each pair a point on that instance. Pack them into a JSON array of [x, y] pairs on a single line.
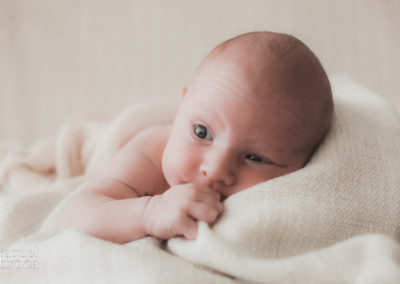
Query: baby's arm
[[129, 199], [103, 209]]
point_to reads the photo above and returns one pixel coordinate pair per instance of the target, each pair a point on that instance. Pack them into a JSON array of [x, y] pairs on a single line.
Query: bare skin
[[232, 131]]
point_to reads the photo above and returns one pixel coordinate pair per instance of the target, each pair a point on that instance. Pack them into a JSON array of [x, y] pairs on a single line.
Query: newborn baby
[[257, 107]]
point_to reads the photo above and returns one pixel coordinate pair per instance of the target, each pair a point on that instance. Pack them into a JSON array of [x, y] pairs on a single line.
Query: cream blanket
[[334, 221]]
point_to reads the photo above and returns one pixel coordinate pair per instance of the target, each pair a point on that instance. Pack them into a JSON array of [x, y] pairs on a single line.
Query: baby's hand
[[176, 211]]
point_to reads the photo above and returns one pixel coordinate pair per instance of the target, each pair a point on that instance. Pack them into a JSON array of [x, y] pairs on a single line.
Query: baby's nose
[[218, 168]]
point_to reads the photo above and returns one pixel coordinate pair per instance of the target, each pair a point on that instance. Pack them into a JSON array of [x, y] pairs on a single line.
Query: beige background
[[59, 58]]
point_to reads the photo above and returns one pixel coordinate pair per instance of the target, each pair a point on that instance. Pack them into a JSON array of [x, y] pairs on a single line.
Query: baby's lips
[[222, 196], [218, 189]]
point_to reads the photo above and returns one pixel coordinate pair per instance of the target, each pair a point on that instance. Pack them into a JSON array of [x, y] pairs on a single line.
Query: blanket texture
[[334, 221]]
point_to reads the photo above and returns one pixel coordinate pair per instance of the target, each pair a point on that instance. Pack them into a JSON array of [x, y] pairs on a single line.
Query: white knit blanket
[[334, 221]]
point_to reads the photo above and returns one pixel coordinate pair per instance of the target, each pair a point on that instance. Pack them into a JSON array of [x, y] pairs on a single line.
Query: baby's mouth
[[214, 186], [223, 196]]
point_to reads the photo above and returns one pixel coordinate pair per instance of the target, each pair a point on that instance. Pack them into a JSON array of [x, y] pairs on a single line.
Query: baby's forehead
[[260, 69], [245, 85]]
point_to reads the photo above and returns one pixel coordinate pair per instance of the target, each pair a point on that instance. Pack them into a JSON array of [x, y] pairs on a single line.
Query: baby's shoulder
[[152, 140], [153, 133]]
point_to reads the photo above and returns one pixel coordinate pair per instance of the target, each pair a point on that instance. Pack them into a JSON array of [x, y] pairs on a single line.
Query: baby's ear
[[183, 93]]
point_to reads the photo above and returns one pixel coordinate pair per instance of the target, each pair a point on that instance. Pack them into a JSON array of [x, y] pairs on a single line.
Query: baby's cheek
[[175, 165], [189, 164], [185, 160]]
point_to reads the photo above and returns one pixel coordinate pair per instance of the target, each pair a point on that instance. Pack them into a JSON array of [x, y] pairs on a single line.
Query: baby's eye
[[254, 158], [202, 132]]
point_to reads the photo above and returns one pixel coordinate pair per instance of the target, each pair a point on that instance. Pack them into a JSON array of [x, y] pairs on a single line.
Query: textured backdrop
[[59, 58]]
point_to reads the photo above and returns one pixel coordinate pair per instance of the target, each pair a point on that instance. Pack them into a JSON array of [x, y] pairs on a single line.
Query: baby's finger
[[188, 228], [208, 191], [203, 212], [210, 200]]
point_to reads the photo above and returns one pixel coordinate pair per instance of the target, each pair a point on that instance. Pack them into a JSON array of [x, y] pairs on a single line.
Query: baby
[[258, 106]]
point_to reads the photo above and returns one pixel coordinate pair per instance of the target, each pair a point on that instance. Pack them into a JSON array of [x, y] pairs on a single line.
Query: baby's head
[[257, 107]]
